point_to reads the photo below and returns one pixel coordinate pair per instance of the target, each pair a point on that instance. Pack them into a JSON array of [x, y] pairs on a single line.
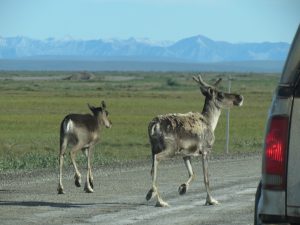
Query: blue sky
[[227, 20]]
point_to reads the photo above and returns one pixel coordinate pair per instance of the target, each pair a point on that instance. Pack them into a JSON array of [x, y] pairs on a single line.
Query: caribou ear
[[92, 108], [210, 91], [103, 104]]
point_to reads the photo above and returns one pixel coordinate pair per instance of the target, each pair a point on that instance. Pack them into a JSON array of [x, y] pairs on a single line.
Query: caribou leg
[[63, 146], [209, 199], [89, 179], [73, 153], [154, 190], [184, 187]]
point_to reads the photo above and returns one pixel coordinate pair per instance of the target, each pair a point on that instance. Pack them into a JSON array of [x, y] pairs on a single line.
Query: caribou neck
[[212, 113]]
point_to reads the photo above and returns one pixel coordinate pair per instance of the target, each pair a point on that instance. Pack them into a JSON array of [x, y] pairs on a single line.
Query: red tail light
[[275, 153]]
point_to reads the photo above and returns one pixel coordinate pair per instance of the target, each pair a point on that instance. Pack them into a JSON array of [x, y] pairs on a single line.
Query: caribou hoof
[[182, 189], [161, 203], [77, 181], [88, 189], [60, 190], [151, 193], [91, 183], [212, 202]]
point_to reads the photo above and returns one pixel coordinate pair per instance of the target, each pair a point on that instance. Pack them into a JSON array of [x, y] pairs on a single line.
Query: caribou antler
[[216, 84], [202, 83], [199, 80]]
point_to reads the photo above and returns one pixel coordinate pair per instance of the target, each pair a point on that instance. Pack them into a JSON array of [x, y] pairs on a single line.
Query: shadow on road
[[68, 205], [41, 203]]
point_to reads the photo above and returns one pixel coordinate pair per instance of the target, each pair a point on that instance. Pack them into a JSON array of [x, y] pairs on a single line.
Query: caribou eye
[[221, 95]]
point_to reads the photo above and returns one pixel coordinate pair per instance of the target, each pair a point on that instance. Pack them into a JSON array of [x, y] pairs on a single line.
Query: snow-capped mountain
[[192, 49], [203, 49]]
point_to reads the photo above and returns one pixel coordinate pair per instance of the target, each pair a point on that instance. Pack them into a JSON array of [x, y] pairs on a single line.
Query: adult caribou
[[82, 131], [189, 134]]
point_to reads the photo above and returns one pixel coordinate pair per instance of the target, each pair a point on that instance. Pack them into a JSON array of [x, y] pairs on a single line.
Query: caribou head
[[219, 98], [102, 114]]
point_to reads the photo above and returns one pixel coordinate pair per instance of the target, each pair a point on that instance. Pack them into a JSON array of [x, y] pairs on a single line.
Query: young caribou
[[189, 134], [82, 131]]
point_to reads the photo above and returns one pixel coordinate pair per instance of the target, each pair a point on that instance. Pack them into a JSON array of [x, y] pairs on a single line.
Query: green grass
[[31, 112]]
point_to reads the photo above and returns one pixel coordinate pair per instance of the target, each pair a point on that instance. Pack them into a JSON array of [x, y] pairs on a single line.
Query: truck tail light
[[274, 168]]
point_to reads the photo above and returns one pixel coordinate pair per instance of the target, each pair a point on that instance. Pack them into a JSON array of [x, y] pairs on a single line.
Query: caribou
[[190, 134], [82, 132]]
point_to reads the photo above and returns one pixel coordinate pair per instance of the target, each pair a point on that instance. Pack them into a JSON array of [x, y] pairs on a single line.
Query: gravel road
[[119, 198]]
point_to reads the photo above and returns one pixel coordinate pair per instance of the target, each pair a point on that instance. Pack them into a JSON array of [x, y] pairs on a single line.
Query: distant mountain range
[[192, 50]]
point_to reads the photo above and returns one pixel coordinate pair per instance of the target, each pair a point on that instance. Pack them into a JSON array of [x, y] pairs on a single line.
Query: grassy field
[[34, 103]]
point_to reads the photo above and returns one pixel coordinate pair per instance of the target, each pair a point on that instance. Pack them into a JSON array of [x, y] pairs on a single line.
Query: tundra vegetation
[[34, 103]]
